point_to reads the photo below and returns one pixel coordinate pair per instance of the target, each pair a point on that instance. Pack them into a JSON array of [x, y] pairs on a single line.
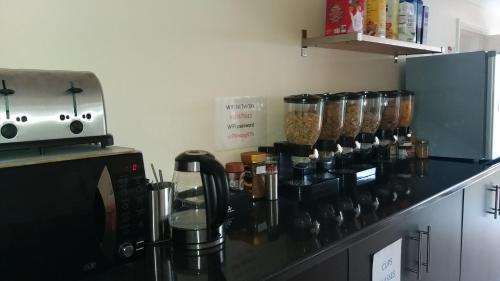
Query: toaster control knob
[[76, 127], [126, 250], [8, 131]]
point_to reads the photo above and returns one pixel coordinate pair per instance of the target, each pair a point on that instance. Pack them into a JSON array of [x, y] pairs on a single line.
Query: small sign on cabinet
[[387, 263]]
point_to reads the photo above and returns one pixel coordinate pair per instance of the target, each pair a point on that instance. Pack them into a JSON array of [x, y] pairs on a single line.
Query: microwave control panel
[[129, 184]]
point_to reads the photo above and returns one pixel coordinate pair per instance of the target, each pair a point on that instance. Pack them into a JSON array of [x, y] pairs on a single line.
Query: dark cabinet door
[[481, 231], [334, 269], [440, 259]]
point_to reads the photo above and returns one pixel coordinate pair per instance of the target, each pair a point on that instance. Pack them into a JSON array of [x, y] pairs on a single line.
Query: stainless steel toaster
[[39, 107]]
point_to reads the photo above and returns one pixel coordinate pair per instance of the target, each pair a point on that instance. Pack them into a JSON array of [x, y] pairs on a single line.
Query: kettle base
[[199, 239]]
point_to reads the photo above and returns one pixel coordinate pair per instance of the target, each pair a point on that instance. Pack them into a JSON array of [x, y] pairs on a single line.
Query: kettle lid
[[189, 161]]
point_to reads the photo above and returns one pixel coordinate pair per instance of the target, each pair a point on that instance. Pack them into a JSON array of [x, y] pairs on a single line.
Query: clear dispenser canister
[[303, 119]]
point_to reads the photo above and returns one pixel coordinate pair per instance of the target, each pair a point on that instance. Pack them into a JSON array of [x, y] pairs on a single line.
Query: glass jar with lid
[[422, 149], [235, 172], [303, 118], [390, 114], [255, 170], [353, 118]]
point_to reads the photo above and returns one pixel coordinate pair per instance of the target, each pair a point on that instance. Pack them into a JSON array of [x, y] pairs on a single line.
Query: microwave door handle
[[106, 194]]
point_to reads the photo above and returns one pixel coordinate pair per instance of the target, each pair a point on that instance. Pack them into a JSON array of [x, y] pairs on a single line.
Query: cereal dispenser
[[390, 116], [372, 115], [333, 123], [352, 176], [388, 125], [352, 125], [406, 109], [406, 147], [304, 117]]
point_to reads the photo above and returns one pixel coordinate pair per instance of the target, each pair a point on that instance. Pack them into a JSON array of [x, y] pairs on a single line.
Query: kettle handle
[[216, 190]]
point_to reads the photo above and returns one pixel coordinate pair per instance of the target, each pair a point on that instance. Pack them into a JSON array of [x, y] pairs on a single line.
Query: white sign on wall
[[387, 263], [240, 122]]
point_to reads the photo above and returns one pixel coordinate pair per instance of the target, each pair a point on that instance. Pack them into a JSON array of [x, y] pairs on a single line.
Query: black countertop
[[273, 242]]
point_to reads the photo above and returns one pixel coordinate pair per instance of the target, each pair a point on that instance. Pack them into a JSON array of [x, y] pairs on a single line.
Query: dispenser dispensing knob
[[8, 131], [126, 250], [76, 127]]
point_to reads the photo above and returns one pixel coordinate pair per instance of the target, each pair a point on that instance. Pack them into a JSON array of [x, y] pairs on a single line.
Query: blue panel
[[450, 103]]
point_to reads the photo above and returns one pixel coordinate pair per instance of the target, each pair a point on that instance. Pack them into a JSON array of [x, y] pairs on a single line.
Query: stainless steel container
[[159, 200], [271, 182]]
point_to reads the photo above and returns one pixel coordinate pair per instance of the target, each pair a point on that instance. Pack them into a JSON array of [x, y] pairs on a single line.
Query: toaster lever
[[6, 92], [73, 90]]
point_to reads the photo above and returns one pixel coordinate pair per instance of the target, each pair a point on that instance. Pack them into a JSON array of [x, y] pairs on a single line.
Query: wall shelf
[[365, 43]]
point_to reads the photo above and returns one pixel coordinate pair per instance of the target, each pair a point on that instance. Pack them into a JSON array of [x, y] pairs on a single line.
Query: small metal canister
[[255, 171], [271, 178], [159, 203]]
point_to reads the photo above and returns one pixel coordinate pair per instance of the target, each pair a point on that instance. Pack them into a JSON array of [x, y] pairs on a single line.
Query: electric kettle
[[200, 201]]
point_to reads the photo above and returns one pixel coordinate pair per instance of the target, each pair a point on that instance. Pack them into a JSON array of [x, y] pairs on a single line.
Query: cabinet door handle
[[418, 270], [495, 210], [427, 264]]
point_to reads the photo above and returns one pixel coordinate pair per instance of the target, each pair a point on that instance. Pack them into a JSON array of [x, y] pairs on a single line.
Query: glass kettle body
[[200, 201]]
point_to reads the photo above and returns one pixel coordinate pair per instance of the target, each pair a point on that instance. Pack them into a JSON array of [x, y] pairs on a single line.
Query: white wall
[[494, 42], [471, 41], [481, 15], [162, 62]]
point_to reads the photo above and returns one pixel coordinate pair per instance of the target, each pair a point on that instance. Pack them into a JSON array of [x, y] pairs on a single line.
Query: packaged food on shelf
[[407, 20], [344, 16], [425, 25], [376, 18], [333, 117], [303, 118], [392, 21], [353, 115], [420, 20]]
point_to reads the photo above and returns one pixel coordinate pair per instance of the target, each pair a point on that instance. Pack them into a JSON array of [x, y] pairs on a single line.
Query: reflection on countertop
[[277, 235]]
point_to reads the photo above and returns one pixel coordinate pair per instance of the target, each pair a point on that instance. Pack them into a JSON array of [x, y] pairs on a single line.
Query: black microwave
[[69, 212]]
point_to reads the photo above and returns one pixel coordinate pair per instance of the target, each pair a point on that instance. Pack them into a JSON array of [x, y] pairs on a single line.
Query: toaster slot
[[8, 130]]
